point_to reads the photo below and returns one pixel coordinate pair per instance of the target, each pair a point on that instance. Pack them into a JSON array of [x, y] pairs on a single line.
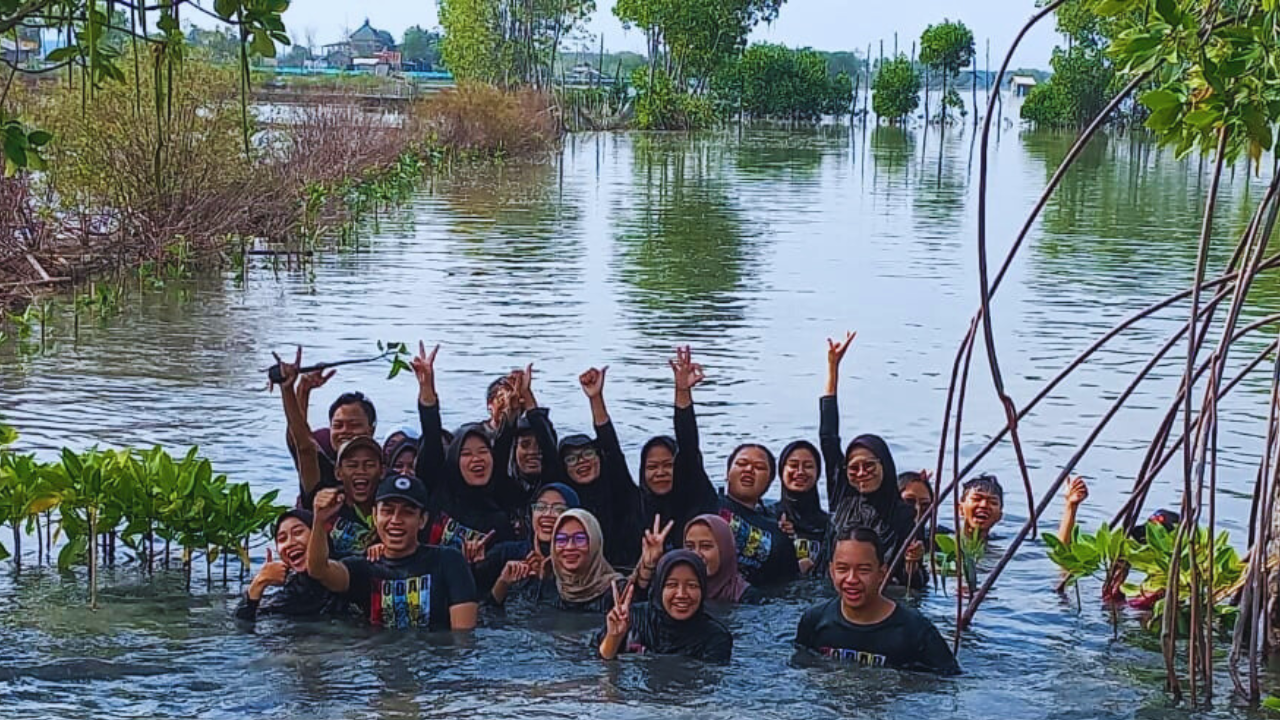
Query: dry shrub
[[121, 189], [480, 119]]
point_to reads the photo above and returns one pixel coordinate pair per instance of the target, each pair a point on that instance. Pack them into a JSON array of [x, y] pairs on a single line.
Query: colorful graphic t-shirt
[[766, 556], [349, 534], [904, 640], [447, 532], [413, 591]]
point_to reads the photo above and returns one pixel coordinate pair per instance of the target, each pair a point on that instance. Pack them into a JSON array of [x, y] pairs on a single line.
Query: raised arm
[[332, 575], [430, 459], [1077, 493], [829, 421], [300, 434], [540, 421], [690, 476]]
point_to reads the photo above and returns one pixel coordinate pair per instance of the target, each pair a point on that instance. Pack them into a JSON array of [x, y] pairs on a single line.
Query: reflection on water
[[754, 246]]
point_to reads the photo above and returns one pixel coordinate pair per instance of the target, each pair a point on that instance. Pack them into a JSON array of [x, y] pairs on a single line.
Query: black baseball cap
[[402, 487]]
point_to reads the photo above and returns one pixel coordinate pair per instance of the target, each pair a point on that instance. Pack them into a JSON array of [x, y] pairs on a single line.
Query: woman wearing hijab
[[862, 482], [296, 594], [800, 512], [526, 560], [674, 622], [597, 470], [674, 485], [709, 537], [580, 579]]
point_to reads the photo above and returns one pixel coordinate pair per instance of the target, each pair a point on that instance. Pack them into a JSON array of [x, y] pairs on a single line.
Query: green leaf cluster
[[138, 494], [774, 81], [895, 90], [1087, 554], [971, 546], [947, 46]]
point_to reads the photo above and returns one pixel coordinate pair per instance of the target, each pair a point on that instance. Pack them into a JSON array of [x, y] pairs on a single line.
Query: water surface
[[753, 247]]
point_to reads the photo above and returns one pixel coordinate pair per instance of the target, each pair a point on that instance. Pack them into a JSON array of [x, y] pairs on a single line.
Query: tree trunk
[[17, 548]]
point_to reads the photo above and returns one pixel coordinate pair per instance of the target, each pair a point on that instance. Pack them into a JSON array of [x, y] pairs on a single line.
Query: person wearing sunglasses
[[524, 562], [862, 486], [597, 470]]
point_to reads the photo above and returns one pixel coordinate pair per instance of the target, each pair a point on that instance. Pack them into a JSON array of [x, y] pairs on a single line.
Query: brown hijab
[[596, 576], [727, 584]]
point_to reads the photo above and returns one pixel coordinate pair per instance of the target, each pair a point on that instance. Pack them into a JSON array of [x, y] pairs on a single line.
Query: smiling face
[[528, 455], [800, 471], [349, 422], [919, 497], [403, 463], [398, 524], [475, 461], [291, 543], [856, 573], [570, 546], [700, 540], [681, 592], [864, 470], [659, 469], [981, 509], [359, 471], [749, 476], [582, 464], [547, 508]]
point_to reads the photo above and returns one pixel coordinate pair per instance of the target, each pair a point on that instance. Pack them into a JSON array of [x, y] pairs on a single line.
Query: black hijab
[[881, 510], [701, 636], [680, 505], [477, 507], [804, 510]]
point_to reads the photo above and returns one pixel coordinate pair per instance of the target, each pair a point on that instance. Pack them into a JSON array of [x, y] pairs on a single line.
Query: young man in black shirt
[[413, 585], [862, 626]]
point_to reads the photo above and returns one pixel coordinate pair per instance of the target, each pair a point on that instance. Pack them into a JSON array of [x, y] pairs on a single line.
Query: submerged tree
[[508, 42], [896, 90], [774, 81], [946, 47]]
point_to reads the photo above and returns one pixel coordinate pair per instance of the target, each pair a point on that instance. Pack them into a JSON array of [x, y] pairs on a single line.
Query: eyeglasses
[[863, 468], [577, 540], [557, 508], [581, 456]]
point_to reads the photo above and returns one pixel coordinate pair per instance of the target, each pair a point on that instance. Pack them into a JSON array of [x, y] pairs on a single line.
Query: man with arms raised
[[413, 585]]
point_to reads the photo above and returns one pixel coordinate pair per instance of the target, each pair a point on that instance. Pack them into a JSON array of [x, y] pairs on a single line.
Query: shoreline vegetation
[[130, 186]]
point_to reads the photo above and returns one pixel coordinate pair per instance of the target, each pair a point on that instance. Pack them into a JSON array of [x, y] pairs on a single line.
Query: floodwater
[[753, 247]]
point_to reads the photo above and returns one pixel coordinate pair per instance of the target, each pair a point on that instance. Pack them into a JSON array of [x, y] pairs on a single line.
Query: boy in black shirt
[[413, 585], [864, 627]]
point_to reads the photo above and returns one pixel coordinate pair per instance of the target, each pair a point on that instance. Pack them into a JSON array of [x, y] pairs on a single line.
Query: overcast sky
[[822, 24]]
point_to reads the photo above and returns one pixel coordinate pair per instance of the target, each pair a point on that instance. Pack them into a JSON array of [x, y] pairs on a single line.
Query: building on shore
[[367, 49]]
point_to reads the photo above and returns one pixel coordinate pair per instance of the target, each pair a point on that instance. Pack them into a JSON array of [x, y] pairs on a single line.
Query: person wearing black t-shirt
[[862, 626], [298, 594], [412, 585]]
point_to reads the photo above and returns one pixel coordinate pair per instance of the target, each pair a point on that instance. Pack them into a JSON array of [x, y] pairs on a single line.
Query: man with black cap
[[413, 585]]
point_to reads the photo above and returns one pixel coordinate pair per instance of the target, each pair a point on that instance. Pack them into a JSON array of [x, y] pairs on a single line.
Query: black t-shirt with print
[[905, 640], [766, 555], [413, 591], [349, 533], [299, 597]]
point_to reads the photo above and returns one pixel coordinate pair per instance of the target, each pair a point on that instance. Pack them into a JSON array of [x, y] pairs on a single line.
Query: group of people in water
[[431, 531]]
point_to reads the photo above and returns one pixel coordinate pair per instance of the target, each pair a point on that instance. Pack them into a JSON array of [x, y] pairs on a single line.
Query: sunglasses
[[557, 508], [581, 456], [577, 540], [863, 468]]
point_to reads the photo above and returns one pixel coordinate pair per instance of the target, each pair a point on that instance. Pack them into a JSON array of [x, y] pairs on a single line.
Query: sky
[[821, 24]]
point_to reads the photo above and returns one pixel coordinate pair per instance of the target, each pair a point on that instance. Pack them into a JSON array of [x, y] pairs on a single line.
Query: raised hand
[[473, 550], [313, 380], [325, 506], [522, 387], [915, 552], [536, 561], [272, 574], [424, 368], [375, 552], [837, 350], [1077, 491], [654, 543], [592, 382], [618, 621], [687, 373], [289, 371]]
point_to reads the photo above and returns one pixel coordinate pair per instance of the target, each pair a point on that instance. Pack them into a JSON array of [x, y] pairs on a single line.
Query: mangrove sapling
[[392, 351], [1086, 554]]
